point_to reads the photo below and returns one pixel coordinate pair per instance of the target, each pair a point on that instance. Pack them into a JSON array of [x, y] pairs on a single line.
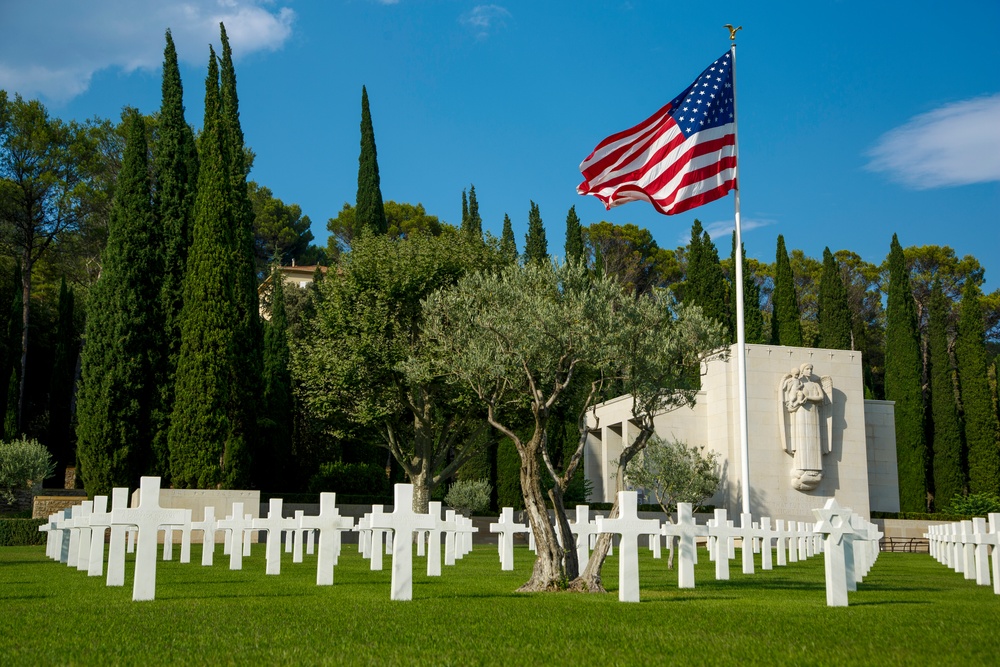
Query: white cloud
[[485, 19], [52, 48], [957, 144], [723, 229]]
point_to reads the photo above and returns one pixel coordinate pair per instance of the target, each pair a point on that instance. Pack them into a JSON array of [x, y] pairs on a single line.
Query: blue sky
[[856, 120]]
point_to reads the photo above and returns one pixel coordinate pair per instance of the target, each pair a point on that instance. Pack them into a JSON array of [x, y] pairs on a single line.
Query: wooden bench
[[905, 544]]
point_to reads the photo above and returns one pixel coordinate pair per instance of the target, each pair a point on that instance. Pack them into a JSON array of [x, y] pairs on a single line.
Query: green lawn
[[911, 610]]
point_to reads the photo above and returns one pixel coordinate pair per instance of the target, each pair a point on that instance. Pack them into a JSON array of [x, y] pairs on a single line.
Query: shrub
[[23, 463], [350, 479], [469, 496], [975, 504], [21, 532], [675, 472]]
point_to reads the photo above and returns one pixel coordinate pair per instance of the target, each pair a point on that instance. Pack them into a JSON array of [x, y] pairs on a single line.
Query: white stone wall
[[883, 478]]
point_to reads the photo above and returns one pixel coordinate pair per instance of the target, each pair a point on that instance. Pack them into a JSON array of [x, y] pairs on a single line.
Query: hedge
[[21, 532]]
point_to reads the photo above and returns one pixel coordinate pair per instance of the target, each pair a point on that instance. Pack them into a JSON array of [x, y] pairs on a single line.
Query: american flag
[[679, 158]]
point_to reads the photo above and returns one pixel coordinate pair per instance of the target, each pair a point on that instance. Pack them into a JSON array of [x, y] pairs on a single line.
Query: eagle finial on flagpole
[[732, 31]]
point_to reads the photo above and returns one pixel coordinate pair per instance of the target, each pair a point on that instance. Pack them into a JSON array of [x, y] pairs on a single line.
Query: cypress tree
[[369, 211], [753, 318], [176, 182], [247, 383], [277, 403], [834, 312], [705, 285], [786, 319], [903, 368], [982, 433], [946, 430], [536, 248], [574, 237], [465, 212], [15, 329], [472, 223], [118, 388], [508, 245], [10, 342], [64, 355], [199, 442]]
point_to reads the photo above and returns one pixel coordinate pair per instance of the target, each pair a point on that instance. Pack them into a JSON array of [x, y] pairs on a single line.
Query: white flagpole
[[741, 348]]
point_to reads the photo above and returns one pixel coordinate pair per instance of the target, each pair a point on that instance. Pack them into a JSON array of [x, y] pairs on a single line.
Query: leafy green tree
[[946, 429], [370, 213], [786, 321], [536, 248], [575, 250], [903, 368], [834, 314], [281, 233], [982, 433], [631, 255], [864, 298], [118, 385], [675, 472], [23, 463], [176, 169], [508, 245], [403, 220], [753, 318], [276, 406]]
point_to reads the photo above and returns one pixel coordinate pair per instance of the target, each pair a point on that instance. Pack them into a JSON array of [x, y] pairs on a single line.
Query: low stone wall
[[47, 504], [904, 528]]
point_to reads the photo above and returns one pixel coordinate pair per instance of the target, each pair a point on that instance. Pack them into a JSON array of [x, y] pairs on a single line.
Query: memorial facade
[[812, 434]]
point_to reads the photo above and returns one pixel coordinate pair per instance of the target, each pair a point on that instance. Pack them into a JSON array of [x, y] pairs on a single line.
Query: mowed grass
[[910, 611]]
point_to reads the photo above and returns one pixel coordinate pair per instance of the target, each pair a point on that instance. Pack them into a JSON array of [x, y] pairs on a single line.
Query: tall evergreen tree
[[10, 350], [946, 429], [465, 212], [903, 368], [202, 454], [472, 223], [705, 285], [370, 212], [176, 171], [118, 390], [277, 404], [753, 318], [982, 433], [536, 248], [786, 319], [508, 245], [834, 314], [62, 380], [574, 237], [246, 381]]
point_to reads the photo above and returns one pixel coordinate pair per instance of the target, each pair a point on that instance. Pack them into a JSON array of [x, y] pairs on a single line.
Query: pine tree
[[946, 442], [982, 433], [176, 182], [903, 368], [536, 248], [508, 245], [277, 403], [201, 455], [64, 356], [574, 237], [247, 383], [753, 318], [118, 390], [834, 312], [786, 319], [369, 210]]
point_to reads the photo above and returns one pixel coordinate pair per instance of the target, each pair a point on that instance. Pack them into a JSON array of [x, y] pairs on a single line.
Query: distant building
[[300, 276]]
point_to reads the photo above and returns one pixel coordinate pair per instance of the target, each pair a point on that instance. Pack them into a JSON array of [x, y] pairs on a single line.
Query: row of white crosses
[[966, 547], [850, 547]]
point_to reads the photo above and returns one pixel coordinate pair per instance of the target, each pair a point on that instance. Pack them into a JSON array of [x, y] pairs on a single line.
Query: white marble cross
[[71, 548], [329, 524], [207, 526], [274, 524], [630, 527], [403, 522], [100, 521], [81, 521], [434, 539], [185, 530], [116, 548], [147, 518], [507, 528], [834, 521], [992, 538], [748, 532], [981, 547], [766, 535], [723, 532], [687, 531], [298, 537], [450, 529], [50, 533], [236, 525]]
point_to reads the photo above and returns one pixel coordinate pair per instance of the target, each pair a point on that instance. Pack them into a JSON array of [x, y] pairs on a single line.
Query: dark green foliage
[[903, 368], [786, 319], [118, 386], [281, 233], [276, 422], [350, 479], [630, 254], [508, 245], [974, 504], [472, 223], [946, 430], [834, 313], [10, 348], [370, 211], [705, 286], [753, 317], [982, 434], [203, 453], [67, 348], [536, 248], [574, 237], [509, 475], [21, 532], [176, 171], [245, 382]]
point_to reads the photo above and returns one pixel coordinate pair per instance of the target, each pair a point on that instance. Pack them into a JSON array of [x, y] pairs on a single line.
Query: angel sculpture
[[807, 432]]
